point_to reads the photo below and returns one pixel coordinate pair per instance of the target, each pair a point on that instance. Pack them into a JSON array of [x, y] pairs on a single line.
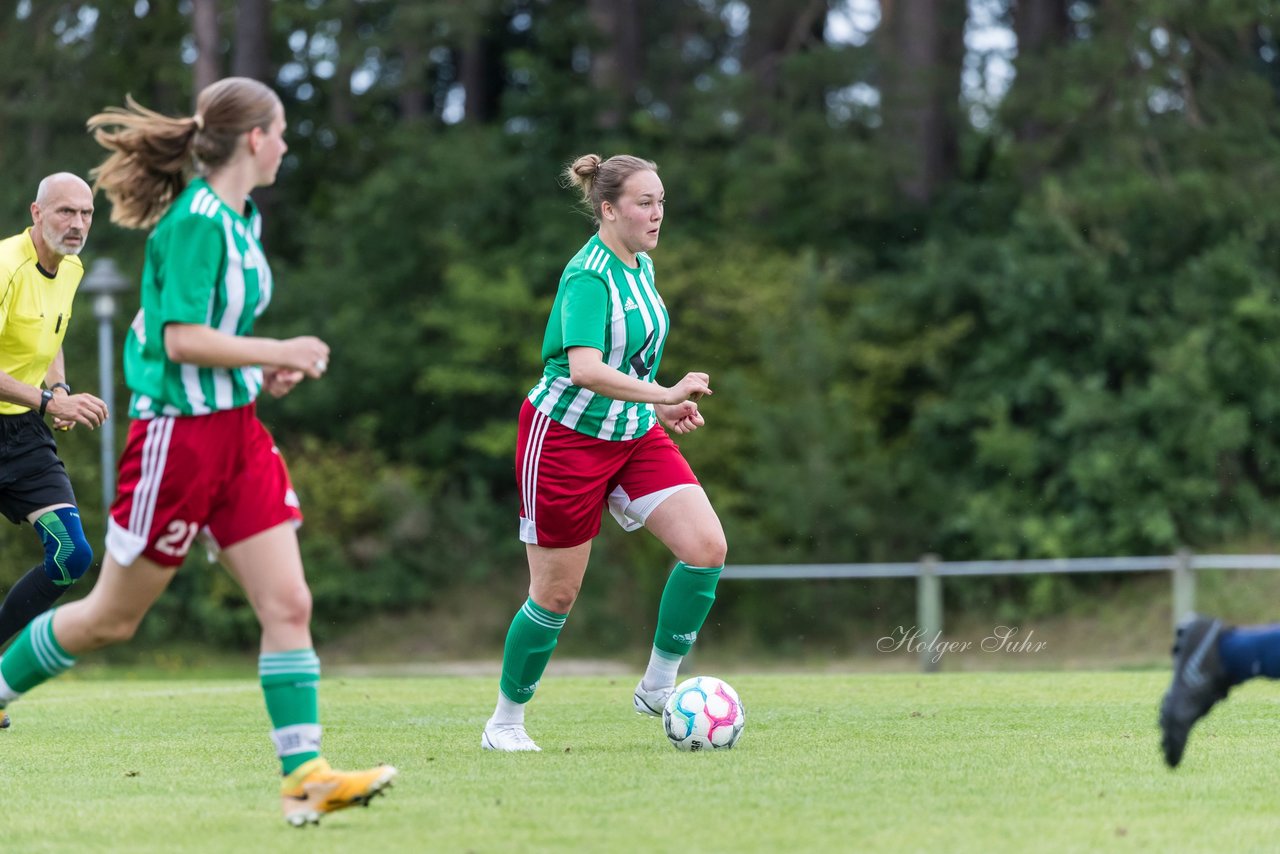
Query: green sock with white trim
[[530, 641], [686, 601], [291, 686], [33, 658]]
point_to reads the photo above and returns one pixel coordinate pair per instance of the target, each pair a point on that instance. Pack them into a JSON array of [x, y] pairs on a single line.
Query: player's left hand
[[62, 425], [278, 382], [679, 418]]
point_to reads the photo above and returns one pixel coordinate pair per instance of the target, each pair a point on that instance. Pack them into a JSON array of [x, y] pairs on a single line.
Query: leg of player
[[1209, 659], [688, 525], [555, 577], [109, 614], [268, 566]]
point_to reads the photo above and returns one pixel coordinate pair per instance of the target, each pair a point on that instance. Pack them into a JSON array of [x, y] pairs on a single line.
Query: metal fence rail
[[929, 572]]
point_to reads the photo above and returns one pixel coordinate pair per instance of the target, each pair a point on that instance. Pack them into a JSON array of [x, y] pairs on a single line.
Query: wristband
[[45, 397], [62, 386]]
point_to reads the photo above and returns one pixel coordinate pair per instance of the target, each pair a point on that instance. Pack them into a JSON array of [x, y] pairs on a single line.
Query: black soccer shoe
[[1199, 682], [4, 720]]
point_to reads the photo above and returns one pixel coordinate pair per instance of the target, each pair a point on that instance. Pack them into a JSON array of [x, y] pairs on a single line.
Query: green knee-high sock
[[686, 601], [35, 657], [530, 642], [291, 683]]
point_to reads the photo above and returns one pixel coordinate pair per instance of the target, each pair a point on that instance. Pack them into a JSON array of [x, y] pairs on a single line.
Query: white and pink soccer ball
[[704, 713]]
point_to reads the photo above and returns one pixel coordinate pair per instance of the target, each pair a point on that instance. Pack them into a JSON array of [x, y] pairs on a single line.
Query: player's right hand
[[693, 386], [78, 408], [305, 353]]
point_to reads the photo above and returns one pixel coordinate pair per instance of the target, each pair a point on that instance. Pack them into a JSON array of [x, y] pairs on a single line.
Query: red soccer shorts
[[566, 478], [219, 474]]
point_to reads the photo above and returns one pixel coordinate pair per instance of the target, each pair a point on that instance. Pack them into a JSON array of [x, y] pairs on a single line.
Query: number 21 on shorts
[[176, 540]]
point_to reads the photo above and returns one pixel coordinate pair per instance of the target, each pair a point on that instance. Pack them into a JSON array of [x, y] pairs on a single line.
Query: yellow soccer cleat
[[4, 720], [315, 789]]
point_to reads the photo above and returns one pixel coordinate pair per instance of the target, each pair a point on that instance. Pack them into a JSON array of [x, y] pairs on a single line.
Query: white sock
[[7, 694], [508, 711], [662, 669]]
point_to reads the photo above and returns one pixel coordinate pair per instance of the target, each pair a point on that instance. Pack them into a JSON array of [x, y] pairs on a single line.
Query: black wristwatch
[[45, 397], [62, 386]]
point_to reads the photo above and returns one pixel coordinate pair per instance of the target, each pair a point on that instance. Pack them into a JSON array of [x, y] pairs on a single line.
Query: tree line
[[1034, 324]]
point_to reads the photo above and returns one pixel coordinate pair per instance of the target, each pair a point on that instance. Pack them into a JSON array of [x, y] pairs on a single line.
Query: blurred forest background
[[986, 279]]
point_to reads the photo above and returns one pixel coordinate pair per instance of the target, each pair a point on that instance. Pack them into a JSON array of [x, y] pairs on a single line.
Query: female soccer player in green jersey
[[198, 460], [591, 436]]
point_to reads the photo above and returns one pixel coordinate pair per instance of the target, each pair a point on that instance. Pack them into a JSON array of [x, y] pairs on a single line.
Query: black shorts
[[31, 475]]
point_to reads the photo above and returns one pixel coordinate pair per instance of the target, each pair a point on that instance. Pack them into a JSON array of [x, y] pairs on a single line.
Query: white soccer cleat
[[652, 702], [510, 738]]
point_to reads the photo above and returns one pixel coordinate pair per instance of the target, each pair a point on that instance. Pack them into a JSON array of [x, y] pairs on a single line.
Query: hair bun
[[587, 165]]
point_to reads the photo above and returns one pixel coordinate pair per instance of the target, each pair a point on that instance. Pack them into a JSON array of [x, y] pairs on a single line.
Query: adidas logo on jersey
[[629, 305]]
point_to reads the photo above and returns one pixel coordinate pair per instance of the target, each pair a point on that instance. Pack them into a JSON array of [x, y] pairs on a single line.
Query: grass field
[[885, 762]]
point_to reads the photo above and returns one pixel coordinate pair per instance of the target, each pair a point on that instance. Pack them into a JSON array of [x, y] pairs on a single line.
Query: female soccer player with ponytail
[[197, 459], [591, 435]]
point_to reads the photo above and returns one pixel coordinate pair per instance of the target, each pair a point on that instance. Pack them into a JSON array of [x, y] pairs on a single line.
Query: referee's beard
[[70, 242]]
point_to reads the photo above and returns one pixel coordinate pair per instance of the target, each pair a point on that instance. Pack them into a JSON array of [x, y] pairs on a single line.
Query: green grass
[[887, 762]]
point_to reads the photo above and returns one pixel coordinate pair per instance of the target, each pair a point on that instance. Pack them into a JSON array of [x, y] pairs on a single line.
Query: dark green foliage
[[1071, 351]]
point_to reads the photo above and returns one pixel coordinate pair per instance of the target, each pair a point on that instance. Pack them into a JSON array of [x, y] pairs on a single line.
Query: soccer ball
[[704, 712]]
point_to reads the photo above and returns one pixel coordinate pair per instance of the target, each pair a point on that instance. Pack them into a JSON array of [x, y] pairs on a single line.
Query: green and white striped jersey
[[604, 304], [204, 265]]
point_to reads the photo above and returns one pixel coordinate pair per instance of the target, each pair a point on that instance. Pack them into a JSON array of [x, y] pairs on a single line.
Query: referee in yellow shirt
[[39, 274]]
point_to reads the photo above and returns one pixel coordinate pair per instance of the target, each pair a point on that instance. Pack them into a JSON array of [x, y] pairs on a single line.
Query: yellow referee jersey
[[35, 309]]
